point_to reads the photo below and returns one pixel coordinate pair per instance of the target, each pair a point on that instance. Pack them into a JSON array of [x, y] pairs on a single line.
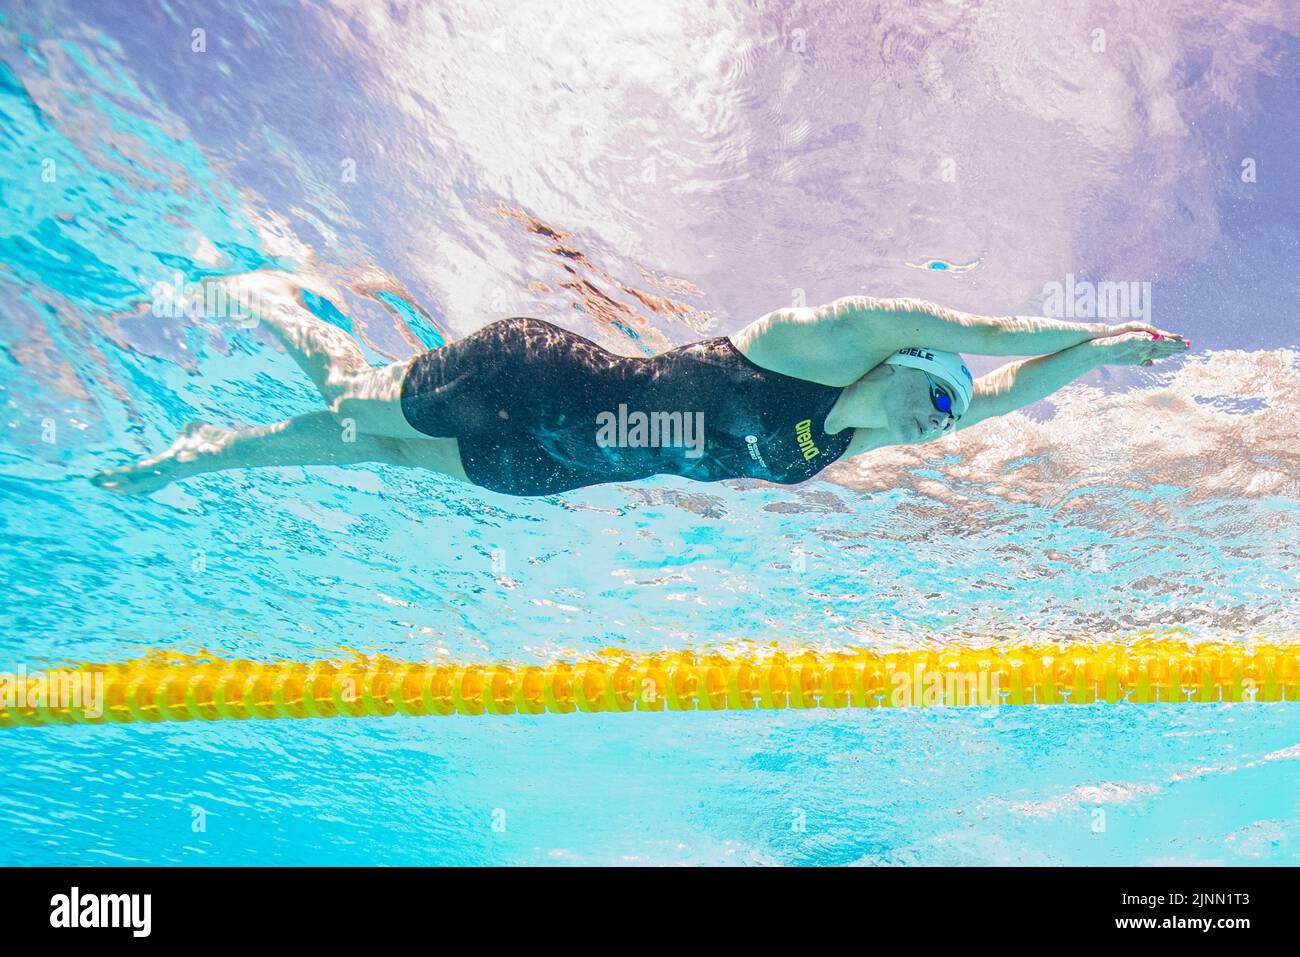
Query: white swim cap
[[947, 367]]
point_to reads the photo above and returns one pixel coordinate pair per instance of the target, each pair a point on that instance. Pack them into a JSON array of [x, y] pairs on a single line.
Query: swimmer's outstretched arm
[[1018, 384], [888, 324]]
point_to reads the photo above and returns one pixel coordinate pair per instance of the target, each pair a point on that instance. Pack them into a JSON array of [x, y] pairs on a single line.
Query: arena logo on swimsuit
[[803, 435]]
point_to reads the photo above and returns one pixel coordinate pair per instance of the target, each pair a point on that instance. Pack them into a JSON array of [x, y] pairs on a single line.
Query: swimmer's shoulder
[[810, 343]]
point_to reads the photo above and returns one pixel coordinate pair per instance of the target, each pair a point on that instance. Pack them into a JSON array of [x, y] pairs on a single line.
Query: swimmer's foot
[[190, 454], [246, 298]]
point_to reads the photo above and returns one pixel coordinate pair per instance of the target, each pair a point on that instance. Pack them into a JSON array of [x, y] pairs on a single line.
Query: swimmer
[[525, 407]]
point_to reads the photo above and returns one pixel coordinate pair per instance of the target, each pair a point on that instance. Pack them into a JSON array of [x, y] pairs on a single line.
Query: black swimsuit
[[537, 409]]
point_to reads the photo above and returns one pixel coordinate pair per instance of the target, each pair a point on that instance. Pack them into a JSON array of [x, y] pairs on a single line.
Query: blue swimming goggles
[[941, 398]]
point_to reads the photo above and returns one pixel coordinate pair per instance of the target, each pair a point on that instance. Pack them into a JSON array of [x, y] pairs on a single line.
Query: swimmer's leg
[[325, 352], [362, 397], [311, 439]]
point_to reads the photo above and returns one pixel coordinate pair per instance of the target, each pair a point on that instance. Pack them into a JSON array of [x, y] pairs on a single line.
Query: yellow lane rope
[[172, 687]]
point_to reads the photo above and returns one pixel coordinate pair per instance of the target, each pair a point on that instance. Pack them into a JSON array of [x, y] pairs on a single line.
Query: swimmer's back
[[527, 400]]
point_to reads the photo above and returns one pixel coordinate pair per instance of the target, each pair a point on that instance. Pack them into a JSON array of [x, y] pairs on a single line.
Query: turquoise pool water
[[646, 180]]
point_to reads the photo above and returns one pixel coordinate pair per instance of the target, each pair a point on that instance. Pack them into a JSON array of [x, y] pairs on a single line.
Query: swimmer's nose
[[938, 421]]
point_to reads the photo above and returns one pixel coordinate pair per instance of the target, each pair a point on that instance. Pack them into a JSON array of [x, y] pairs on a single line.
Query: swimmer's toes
[[105, 480], [132, 480], [195, 440]]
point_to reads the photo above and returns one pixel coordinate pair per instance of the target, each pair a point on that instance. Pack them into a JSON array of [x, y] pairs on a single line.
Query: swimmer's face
[[909, 408]]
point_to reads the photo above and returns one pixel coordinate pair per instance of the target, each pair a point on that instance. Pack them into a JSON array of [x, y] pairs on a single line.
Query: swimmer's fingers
[[1137, 348], [1143, 327], [1166, 346]]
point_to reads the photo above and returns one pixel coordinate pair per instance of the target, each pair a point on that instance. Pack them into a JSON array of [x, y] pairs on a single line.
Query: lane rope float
[[175, 687]]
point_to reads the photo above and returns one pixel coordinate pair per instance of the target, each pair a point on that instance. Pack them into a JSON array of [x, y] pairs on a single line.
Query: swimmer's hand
[[1139, 347], [1103, 329]]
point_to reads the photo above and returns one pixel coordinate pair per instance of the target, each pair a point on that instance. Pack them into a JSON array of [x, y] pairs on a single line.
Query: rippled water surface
[[647, 175]]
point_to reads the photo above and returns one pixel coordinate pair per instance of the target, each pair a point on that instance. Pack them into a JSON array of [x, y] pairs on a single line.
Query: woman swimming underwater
[[525, 407]]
